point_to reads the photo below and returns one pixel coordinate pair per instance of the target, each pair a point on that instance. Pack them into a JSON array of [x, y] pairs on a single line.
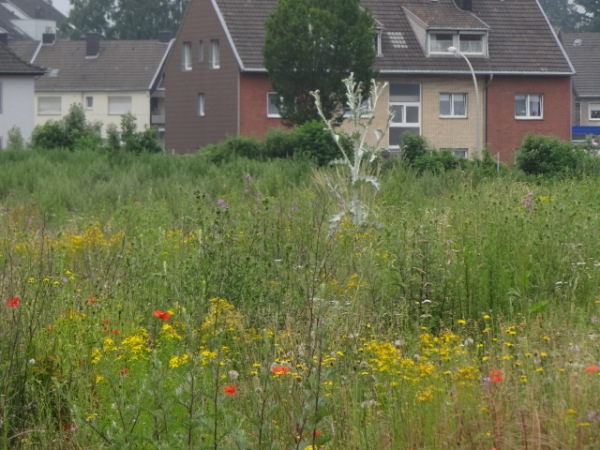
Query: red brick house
[[218, 87]]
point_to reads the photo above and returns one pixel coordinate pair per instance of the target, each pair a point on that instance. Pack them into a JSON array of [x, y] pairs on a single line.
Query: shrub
[[15, 139], [315, 142], [546, 155], [69, 132], [279, 143], [413, 146], [130, 140]]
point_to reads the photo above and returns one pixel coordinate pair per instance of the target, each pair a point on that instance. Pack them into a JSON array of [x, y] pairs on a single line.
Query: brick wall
[[254, 122], [505, 133]]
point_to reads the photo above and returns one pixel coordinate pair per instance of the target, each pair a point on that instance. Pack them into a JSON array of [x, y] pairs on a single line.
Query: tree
[[591, 14], [316, 44], [563, 14], [125, 19]]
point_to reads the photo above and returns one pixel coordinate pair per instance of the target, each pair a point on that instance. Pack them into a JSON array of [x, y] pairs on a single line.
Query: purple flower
[[595, 319], [222, 204], [248, 177], [486, 381]]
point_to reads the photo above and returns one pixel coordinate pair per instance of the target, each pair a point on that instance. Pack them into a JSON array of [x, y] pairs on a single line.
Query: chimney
[[48, 38], [92, 45], [4, 38], [165, 36], [465, 5]]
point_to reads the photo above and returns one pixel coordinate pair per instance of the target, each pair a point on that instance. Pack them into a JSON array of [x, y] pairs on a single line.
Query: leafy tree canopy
[[591, 14], [124, 19], [563, 14], [315, 44]]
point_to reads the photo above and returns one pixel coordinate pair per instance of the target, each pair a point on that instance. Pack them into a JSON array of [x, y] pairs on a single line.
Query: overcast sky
[[62, 5]]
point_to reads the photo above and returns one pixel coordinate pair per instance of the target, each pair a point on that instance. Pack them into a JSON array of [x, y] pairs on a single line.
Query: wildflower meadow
[[164, 302]]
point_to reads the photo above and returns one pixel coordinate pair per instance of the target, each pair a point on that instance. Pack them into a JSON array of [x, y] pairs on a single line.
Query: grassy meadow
[[161, 302]]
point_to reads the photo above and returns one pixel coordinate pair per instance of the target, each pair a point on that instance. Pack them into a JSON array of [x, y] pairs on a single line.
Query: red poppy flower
[[316, 433], [496, 376], [230, 389], [592, 369], [13, 302], [280, 370], [162, 315]]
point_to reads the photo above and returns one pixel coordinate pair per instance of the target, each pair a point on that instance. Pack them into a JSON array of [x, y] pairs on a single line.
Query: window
[[405, 103], [200, 105], [469, 43], [200, 51], [462, 153], [214, 56], [119, 105], [594, 111], [377, 43], [89, 103], [49, 106], [529, 106], [453, 105], [272, 108], [186, 56]]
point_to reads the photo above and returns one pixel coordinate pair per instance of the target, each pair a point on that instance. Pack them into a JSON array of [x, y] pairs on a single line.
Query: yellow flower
[[425, 395], [461, 322], [177, 361], [486, 317], [169, 332]]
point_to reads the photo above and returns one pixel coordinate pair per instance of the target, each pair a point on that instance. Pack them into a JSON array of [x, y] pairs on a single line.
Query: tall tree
[[125, 19], [315, 44], [563, 14], [592, 14]]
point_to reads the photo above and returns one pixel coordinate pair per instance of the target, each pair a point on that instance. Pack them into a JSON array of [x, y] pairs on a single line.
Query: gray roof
[[24, 48], [11, 64], [8, 27], [120, 66], [521, 40], [584, 51]]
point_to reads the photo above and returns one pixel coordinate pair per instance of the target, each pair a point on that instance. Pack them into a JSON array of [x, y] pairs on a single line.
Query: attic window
[[377, 42], [468, 42]]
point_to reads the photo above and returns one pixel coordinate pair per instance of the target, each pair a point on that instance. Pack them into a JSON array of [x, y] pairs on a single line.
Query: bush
[[130, 140], [315, 142], [69, 132], [15, 139], [279, 143], [413, 146], [546, 155]]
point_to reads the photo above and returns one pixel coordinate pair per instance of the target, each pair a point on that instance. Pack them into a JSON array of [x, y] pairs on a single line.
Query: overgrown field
[[156, 302]]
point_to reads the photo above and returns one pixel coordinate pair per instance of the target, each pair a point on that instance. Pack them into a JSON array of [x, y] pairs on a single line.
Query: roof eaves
[[161, 64], [227, 33]]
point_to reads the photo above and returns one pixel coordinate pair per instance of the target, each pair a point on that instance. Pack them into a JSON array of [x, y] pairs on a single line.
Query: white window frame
[[186, 56], [49, 105], [453, 114], [200, 104], [89, 102], [402, 125], [215, 54], [270, 103], [594, 108], [527, 113], [119, 105], [456, 42]]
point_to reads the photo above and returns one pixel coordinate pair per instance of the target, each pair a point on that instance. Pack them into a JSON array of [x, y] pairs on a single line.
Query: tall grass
[[166, 302]]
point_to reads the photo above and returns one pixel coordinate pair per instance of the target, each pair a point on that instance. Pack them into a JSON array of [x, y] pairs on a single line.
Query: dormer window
[[468, 42]]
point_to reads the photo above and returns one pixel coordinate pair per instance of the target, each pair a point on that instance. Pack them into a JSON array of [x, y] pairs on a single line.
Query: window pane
[[535, 105], [200, 105], [412, 114], [460, 104], [215, 57], [398, 111], [440, 42], [49, 105], [186, 56], [119, 105], [471, 43], [405, 92], [520, 105], [595, 111], [445, 105], [395, 135], [272, 109], [200, 51]]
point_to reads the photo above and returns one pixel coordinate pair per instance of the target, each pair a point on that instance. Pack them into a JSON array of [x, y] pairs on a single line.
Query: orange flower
[[13, 302], [496, 376], [162, 315], [592, 369], [280, 370], [124, 371], [230, 389], [92, 300]]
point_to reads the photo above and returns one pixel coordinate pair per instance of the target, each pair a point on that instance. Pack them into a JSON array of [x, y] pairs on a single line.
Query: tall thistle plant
[[355, 183]]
